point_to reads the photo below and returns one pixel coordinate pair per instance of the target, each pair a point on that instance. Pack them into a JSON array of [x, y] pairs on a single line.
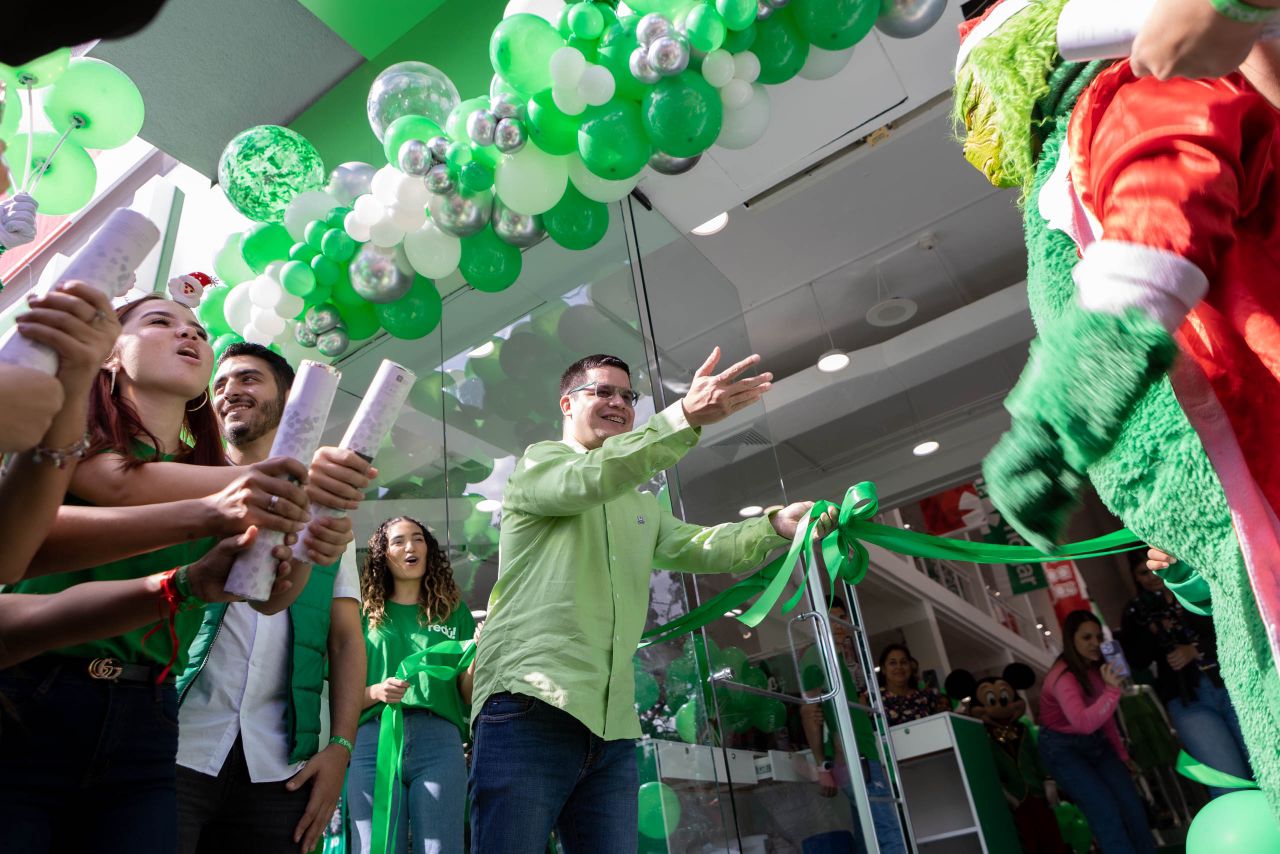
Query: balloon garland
[[585, 97]]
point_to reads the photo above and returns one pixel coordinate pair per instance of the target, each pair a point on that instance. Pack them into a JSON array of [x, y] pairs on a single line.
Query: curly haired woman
[[410, 603]]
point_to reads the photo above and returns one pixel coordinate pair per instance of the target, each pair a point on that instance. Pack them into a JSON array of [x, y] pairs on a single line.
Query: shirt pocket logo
[[639, 520]]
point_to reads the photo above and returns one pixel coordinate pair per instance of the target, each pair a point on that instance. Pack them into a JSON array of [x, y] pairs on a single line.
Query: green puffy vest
[[309, 624]]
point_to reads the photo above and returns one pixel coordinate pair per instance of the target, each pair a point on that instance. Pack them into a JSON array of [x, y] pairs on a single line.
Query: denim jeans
[[884, 813], [534, 768], [230, 812], [433, 774], [86, 765], [1208, 728], [1092, 776]]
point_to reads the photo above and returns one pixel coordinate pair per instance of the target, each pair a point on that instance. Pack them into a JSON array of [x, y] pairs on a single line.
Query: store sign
[[1024, 577], [1066, 588]]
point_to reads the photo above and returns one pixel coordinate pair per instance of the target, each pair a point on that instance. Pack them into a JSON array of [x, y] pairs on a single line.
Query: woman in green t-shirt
[[411, 603]]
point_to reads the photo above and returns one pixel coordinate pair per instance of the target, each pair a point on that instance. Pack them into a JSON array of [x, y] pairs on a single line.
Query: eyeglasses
[[604, 391]]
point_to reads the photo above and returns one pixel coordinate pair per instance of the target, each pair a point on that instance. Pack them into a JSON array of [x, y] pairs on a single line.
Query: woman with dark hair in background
[[412, 602], [1080, 742], [904, 700]]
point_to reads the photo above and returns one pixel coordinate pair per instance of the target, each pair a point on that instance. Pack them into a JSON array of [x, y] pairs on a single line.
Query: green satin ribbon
[[444, 661], [1193, 769], [845, 556]]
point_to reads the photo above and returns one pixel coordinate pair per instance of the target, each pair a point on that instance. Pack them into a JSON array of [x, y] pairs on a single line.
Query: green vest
[[309, 624]]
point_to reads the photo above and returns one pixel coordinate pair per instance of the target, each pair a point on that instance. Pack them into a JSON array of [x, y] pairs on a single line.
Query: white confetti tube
[[253, 574], [1105, 29], [107, 263], [372, 422]]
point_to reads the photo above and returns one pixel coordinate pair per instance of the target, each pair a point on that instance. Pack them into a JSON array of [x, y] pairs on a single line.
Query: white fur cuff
[[1114, 276]]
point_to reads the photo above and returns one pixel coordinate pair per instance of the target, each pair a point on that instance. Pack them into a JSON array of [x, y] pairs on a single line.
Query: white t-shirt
[[244, 690]]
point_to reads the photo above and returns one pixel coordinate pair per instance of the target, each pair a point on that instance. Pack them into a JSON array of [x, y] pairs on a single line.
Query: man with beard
[[251, 695]]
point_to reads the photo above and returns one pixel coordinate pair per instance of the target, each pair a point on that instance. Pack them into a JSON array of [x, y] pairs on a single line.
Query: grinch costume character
[[1152, 218]]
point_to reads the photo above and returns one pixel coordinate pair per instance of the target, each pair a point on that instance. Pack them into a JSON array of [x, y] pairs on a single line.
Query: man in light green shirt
[[554, 706]]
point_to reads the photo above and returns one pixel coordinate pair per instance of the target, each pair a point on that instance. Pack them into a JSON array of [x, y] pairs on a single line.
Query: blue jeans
[[434, 774], [1208, 728], [534, 768], [884, 813], [86, 765], [1093, 777]]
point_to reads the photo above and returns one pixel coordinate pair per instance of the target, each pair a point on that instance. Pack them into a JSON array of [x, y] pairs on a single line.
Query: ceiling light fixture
[[1047, 632], [924, 449], [1039, 625], [750, 510], [485, 349], [488, 505], [715, 225], [832, 361]]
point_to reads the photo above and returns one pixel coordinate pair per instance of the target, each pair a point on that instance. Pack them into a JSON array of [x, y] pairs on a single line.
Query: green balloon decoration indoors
[[263, 168], [69, 178], [415, 314], [1235, 823], [612, 140], [576, 222], [659, 810], [96, 103], [520, 50], [682, 115], [780, 47], [834, 24], [264, 243]]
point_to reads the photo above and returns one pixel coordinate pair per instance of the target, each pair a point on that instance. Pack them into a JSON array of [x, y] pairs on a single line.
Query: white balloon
[[369, 210], [273, 270], [596, 188], [735, 94], [822, 64], [431, 252], [568, 100], [531, 181], [407, 217], [289, 305], [548, 10], [268, 321], [356, 227], [596, 86], [413, 191], [718, 67], [238, 306], [744, 126], [313, 204], [746, 66], [385, 233], [265, 292], [567, 67], [386, 184], [254, 335]]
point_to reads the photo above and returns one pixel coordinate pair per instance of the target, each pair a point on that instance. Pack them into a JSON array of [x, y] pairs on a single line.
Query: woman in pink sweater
[[1081, 745]]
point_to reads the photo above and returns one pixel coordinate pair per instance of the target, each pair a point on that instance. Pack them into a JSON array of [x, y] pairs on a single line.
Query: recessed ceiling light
[[891, 312], [488, 505], [712, 226], [485, 349], [1047, 632], [832, 361], [750, 510], [924, 449], [1039, 625], [907, 525]]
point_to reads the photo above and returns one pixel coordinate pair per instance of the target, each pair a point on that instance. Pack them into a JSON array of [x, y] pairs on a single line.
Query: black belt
[[104, 669]]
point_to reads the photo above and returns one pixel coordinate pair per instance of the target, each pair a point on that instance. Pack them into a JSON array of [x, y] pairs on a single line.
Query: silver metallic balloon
[[376, 276], [669, 55], [906, 19], [666, 164], [303, 335], [321, 318], [506, 106], [333, 343], [459, 215], [640, 68], [764, 11], [415, 158], [517, 229], [438, 179], [480, 127], [509, 136], [350, 181], [652, 27], [439, 147]]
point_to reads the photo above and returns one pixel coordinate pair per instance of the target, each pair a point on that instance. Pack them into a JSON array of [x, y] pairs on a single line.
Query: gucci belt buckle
[[105, 668]]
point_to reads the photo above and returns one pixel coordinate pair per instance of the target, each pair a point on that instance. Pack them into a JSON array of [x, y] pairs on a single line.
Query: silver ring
[[98, 317], [275, 499]]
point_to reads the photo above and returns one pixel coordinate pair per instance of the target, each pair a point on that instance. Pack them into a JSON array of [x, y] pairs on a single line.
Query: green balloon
[[589, 48], [488, 263], [550, 129], [659, 810], [337, 217], [326, 270], [737, 14], [734, 658], [263, 168], [687, 722], [458, 155], [264, 243], [67, 184], [489, 155], [337, 245], [705, 28], [736, 41], [1238, 822], [833, 24], [475, 177], [415, 314], [769, 715], [780, 46], [616, 46], [221, 342], [229, 264], [585, 20], [404, 129], [455, 127], [314, 233], [646, 690], [361, 320], [210, 311], [298, 278], [344, 293], [576, 222], [12, 113], [681, 676], [612, 140], [520, 50], [302, 252], [39, 72], [96, 104], [683, 115]]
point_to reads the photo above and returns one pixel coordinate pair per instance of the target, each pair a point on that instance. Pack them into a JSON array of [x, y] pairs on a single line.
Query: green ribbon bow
[[844, 553], [444, 661]]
